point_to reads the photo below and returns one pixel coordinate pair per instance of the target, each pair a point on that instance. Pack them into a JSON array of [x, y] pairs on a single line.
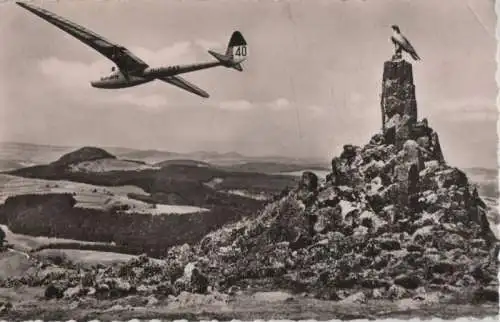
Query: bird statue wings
[[401, 43]]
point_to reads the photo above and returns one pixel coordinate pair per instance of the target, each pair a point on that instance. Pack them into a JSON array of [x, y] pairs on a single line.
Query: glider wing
[[184, 84], [120, 55]]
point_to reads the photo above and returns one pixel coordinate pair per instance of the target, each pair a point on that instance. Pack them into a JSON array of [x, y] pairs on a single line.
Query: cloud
[[71, 74], [471, 105], [316, 110], [147, 102], [279, 105], [470, 110], [76, 74], [239, 105], [208, 44], [179, 52]]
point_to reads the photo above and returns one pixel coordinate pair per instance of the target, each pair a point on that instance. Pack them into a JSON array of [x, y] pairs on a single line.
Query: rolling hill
[[83, 193]]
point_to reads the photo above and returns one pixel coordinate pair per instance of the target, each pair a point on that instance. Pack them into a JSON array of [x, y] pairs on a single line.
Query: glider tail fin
[[236, 52]]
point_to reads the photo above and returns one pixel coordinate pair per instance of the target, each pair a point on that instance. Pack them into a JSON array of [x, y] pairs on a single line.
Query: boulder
[[396, 292], [388, 244], [436, 151], [408, 281], [412, 153], [349, 153], [393, 122], [356, 298], [340, 171], [54, 292], [377, 139], [328, 197], [309, 181], [193, 280], [5, 307], [486, 294], [403, 131], [328, 219], [73, 292]]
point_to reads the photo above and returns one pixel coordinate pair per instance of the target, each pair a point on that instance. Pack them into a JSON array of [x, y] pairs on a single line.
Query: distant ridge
[[43, 153]]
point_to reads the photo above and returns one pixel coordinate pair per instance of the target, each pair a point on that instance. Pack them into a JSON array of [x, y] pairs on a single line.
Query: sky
[[310, 85]]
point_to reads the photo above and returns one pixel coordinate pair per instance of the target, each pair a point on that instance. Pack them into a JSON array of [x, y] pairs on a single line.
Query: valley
[[91, 200]]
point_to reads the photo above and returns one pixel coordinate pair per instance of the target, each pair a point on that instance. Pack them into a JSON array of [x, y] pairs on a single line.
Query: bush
[[2, 237]]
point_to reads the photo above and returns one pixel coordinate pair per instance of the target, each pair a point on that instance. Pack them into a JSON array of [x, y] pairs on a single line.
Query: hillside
[[81, 155], [171, 204]]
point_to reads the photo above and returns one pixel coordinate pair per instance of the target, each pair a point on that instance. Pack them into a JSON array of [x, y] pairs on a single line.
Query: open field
[[89, 196], [106, 165], [26, 243], [243, 193], [86, 194]]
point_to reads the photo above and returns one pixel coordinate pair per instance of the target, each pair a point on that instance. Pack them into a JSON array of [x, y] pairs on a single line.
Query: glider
[[401, 43], [133, 71]]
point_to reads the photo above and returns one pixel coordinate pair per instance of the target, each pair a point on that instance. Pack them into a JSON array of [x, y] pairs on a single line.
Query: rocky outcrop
[[384, 232], [391, 220]]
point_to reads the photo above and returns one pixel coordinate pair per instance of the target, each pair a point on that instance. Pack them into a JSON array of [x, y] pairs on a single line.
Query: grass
[[13, 264], [106, 165], [28, 243], [85, 257]]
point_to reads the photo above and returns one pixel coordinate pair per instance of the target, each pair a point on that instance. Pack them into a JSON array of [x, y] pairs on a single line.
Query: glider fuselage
[[119, 79]]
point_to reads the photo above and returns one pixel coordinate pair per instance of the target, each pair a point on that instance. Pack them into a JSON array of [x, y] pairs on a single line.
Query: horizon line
[[78, 146]]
